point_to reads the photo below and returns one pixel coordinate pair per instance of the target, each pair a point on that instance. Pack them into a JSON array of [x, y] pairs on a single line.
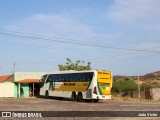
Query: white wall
[[6, 89], [27, 75]]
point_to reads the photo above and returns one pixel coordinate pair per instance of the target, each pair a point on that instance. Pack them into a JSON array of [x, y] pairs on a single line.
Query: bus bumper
[[102, 97]]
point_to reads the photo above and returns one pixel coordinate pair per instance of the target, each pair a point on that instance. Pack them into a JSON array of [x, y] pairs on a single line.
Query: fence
[[148, 93], [155, 93]]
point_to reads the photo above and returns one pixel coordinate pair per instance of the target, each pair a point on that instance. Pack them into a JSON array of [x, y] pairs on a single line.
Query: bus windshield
[[42, 81]]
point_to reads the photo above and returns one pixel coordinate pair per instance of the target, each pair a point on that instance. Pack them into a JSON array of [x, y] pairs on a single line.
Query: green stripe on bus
[[100, 92]]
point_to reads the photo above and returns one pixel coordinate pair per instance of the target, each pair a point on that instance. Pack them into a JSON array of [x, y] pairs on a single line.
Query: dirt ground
[[116, 104]]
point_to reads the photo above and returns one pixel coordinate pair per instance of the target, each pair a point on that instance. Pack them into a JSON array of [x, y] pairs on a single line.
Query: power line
[[95, 59], [43, 47], [26, 45], [113, 56], [75, 43], [36, 62], [49, 37], [138, 9], [146, 3]]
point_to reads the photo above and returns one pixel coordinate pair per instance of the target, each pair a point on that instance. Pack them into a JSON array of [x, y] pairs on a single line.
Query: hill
[[153, 78]]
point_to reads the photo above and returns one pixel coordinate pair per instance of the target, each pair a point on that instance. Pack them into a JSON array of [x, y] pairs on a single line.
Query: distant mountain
[[153, 78], [154, 75]]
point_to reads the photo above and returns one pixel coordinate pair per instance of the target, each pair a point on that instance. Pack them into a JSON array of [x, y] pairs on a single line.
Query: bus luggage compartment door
[[89, 93]]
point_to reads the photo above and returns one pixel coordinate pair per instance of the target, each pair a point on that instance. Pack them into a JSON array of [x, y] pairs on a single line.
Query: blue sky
[[111, 23]]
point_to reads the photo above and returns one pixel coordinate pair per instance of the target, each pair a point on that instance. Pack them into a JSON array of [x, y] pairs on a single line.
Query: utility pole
[[14, 70], [139, 92]]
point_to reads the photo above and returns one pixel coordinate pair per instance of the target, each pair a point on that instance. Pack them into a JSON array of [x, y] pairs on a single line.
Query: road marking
[[140, 105]]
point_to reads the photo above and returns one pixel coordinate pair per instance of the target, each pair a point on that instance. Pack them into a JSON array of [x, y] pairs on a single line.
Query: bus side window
[[64, 78], [53, 78], [90, 76], [85, 77], [81, 77], [78, 77], [73, 77], [61, 78], [58, 78], [68, 77]]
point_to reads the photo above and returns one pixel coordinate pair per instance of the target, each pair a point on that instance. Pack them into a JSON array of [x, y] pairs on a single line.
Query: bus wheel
[[88, 100], [80, 97], [95, 100], [73, 97], [46, 95]]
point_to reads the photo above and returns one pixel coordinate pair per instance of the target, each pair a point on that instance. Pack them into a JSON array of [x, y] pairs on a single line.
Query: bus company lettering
[[69, 84], [103, 73]]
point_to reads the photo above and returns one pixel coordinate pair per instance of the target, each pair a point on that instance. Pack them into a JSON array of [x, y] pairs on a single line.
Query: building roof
[[28, 81], [4, 78]]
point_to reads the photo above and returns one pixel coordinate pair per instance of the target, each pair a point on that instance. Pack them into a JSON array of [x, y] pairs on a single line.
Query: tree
[[74, 66], [149, 85], [124, 85]]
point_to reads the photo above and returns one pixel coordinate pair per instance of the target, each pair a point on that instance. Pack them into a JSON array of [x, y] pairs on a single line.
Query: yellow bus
[[90, 85]]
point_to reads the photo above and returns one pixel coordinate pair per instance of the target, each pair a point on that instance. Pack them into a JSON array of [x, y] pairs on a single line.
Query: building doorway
[[34, 89]]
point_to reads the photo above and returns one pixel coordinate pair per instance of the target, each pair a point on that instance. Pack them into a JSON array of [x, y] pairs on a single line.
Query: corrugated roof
[[28, 81], [4, 78]]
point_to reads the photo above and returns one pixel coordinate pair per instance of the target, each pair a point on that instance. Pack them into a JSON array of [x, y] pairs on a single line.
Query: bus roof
[[75, 71]]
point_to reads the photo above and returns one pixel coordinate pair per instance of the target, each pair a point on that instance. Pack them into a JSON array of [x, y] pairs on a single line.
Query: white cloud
[[65, 25], [61, 26], [130, 11], [52, 25], [138, 21]]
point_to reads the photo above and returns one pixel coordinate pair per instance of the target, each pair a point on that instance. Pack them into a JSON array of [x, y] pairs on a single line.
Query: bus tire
[[46, 94], [88, 100], [95, 100], [73, 96], [80, 97]]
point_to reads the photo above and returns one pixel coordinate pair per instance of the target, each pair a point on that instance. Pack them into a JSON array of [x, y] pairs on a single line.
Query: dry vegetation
[[153, 78], [129, 99]]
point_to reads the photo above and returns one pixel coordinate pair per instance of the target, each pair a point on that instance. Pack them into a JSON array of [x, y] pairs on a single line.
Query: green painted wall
[[15, 90], [25, 90]]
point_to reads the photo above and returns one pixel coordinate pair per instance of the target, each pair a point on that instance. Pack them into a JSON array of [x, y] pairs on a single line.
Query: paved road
[[41, 104]]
